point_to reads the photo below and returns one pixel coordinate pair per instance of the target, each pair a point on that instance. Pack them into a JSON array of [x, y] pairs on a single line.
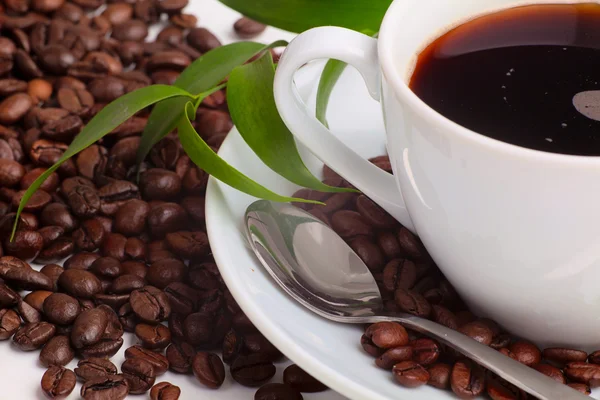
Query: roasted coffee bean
[[114, 301], [467, 380], [114, 246], [208, 369], [164, 272], [594, 357], [170, 34], [410, 244], [79, 283], [9, 323], [90, 235], [165, 391], [81, 260], [160, 184], [195, 181], [126, 284], [410, 374], [91, 368], [425, 351], [63, 130], [255, 342], [499, 389], [61, 309], [50, 234], [252, 370], [166, 218], [28, 313], [296, 378], [36, 299], [130, 219], [478, 331], [76, 101], [26, 278], [412, 302], [189, 245], [14, 107], [439, 375], [36, 202], [159, 362], [443, 316], [84, 201], [26, 245], [202, 40], [150, 304], [11, 172], [198, 328], [130, 30], [57, 351], [10, 86], [115, 194], [153, 336], [582, 372], [8, 297], [58, 214], [182, 298], [349, 224], [39, 89], [248, 28], [27, 68], [399, 274], [562, 356], [369, 252], [525, 352], [139, 375], [180, 356], [113, 387], [118, 13], [89, 327], [277, 391], [106, 267], [550, 371], [105, 348], [33, 336], [58, 382], [581, 388]]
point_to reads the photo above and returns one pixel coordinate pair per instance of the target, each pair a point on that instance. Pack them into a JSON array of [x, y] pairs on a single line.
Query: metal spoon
[[318, 269]]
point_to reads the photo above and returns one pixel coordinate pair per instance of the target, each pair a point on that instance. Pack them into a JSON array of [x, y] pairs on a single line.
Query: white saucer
[[329, 351]]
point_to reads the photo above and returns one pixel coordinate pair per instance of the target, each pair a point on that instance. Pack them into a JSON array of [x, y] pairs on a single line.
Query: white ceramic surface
[[20, 373], [514, 230], [330, 351]]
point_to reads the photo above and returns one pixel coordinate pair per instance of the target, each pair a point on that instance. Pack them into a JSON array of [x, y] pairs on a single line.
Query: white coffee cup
[[516, 231]]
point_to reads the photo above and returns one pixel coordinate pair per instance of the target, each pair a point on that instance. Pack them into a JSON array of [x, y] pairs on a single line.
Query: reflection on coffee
[[528, 76]]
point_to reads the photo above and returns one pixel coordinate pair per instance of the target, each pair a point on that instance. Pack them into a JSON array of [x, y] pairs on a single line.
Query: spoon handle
[[520, 375]]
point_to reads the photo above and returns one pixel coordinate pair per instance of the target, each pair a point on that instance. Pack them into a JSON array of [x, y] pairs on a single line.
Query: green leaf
[[329, 77], [204, 157], [110, 117], [252, 108], [331, 73], [202, 75], [300, 15]]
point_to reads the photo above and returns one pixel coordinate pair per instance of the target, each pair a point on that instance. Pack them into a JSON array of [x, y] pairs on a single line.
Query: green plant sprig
[[249, 95]]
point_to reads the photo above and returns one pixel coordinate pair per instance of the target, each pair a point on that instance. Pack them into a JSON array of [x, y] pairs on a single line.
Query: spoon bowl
[[319, 270]]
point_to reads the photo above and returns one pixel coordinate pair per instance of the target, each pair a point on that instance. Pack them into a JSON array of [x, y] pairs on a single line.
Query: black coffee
[[527, 76]]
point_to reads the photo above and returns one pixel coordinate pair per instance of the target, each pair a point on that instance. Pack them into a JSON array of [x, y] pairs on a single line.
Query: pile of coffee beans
[[136, 254], [410, 282]]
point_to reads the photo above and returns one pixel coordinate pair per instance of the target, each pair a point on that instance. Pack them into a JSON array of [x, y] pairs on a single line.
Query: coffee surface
[[529, 76]]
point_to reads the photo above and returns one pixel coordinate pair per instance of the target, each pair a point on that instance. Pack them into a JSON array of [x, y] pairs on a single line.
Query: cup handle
[[359, 51]]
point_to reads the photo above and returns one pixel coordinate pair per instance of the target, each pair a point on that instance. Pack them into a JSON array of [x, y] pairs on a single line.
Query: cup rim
[[404, 93]]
